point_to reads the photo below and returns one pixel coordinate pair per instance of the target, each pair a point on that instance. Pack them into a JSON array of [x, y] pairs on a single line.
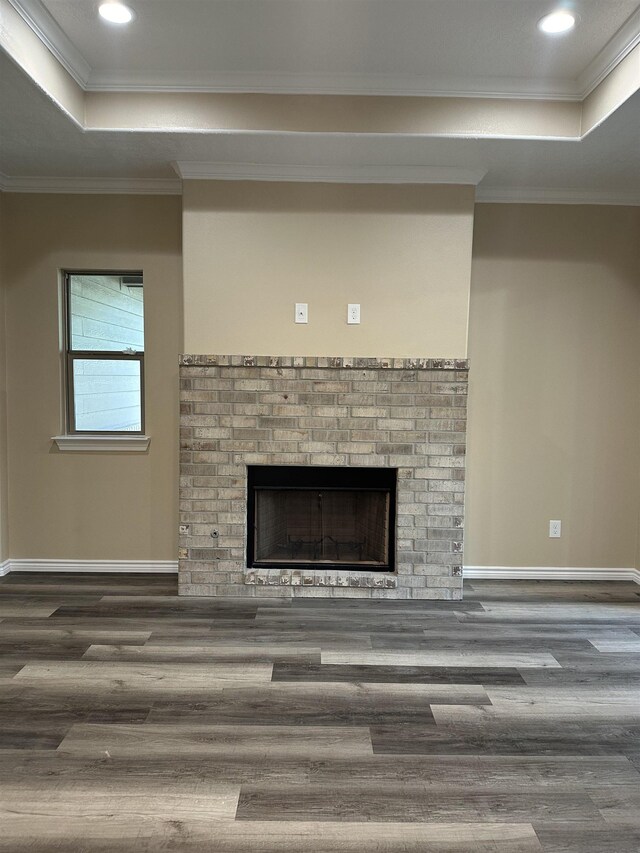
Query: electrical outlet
[[555, 529], [302, 312], [353, 313]]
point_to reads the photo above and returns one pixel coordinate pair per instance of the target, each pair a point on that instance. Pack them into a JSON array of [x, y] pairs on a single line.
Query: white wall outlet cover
[[353, 313], [555, 529], [302, 312]]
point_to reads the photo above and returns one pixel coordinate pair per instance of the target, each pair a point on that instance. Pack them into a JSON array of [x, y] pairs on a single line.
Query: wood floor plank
[[25, 807], [624, 612], [435, 641], [357, 624], [497, 773], [26, 608], [451, 714], [197, 653], [396, 674], [410, 803], [25, 650], [505, 737], [523, 630], [606, 674], [616, 645], [67, 816], [159, 739], [109, 675], [72, 584], [252, 635], [288, 837], [551, 590], [465, 659], [350, 608], [13, 632], [176, 627], [156, 773]]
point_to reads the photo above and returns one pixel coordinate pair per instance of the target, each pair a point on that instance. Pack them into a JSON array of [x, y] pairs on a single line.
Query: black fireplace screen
[[340, 517]]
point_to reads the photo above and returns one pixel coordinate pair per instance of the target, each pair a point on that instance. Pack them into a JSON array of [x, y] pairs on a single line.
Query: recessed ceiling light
[[115, 13], [557, 22]]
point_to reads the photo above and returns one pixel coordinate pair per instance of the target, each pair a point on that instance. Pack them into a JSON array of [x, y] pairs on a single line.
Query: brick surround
[[408, 414]]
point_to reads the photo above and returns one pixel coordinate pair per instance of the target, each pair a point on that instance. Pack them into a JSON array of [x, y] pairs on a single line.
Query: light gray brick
[[370, 460], [318, 447], [445, 583], [395, 423], [432, 593], [361, 447]]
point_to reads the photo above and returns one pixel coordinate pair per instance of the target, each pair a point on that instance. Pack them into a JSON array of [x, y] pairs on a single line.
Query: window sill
[[102, 443]]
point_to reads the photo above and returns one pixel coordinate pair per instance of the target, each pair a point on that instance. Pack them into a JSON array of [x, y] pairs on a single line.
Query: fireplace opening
[[314, 516]]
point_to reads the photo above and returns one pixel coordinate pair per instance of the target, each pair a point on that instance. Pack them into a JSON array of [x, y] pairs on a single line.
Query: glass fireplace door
[[342, 517]]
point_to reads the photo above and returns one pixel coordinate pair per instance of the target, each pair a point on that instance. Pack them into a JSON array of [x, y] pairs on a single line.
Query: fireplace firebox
[[341, 518]]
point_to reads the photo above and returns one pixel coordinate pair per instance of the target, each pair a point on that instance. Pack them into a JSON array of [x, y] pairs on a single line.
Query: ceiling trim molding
[[309, 174], [611, 55], [536, 195], [351, 174], [290, 83], [54, 38], [95, 186]]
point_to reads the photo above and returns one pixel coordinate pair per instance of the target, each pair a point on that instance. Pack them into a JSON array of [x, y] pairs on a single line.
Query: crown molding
[[94, 186], [540, 195], [54, 38], [314, 174], [287, 83], [611, 55], [351, 174]]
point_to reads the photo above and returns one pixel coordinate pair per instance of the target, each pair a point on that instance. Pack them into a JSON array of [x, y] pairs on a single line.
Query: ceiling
[[433, 50]]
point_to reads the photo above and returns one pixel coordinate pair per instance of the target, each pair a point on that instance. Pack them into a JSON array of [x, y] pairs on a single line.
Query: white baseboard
[[171, 567], [92, 566], [550, 573]]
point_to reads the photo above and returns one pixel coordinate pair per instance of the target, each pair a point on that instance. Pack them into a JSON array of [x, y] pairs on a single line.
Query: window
[[104, 321]]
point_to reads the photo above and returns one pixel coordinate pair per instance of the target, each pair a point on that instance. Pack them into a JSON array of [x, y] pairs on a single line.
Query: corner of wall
[[4, 544]]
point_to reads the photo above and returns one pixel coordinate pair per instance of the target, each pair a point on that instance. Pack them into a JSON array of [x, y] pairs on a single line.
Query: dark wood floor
[[131, 720]]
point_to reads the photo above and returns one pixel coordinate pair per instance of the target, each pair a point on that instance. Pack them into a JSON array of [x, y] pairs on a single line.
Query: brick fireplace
[[239, 413]]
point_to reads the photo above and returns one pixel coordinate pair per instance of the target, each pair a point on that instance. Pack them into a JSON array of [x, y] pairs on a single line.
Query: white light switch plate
[[302, 312]]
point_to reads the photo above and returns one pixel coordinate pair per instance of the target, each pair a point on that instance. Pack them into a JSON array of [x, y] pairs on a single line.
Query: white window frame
[[86, 440]]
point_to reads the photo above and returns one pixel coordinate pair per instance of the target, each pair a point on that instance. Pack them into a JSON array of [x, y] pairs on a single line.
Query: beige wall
[[554, 397], [89, 505], [4, 537], [554, 348], [252, 250]]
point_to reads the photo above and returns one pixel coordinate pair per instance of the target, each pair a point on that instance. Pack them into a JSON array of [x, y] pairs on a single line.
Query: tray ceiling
[[333, 46], [362, 46]]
